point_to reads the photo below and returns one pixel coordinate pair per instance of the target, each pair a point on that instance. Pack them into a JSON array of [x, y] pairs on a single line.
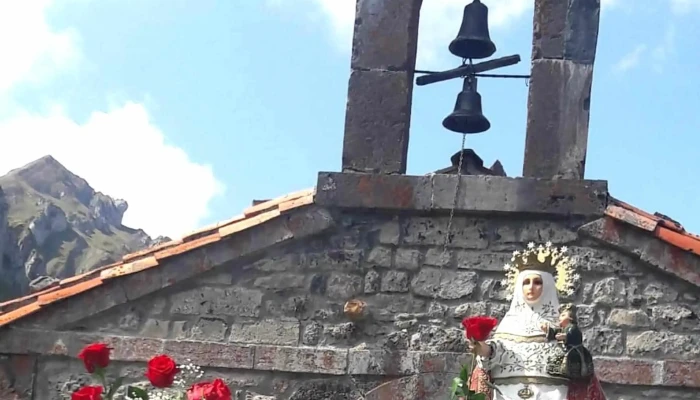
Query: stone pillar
[[563, 52], [378, 115]]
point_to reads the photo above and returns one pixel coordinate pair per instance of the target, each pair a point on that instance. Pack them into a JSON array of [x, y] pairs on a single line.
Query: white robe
[[520, 350]]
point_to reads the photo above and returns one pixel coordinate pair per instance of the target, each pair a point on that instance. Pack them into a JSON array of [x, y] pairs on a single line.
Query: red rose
[[87, 393], [479, 328], [161, 371], [94, 356], [216, 390]]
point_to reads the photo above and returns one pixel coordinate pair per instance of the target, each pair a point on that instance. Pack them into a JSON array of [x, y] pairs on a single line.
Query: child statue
[[576, 363]]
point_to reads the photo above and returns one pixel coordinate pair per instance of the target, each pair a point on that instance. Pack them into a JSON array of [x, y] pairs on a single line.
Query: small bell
[[467, 116], [473, 40]]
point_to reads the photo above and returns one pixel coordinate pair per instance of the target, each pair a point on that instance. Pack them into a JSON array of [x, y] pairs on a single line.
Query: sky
[[189, 109]]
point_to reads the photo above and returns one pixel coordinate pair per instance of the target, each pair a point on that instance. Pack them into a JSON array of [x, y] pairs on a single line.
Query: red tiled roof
[[15, 309], [660, 226]]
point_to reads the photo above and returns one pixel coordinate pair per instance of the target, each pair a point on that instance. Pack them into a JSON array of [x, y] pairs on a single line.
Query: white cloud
[[120, 151], [631, 59]]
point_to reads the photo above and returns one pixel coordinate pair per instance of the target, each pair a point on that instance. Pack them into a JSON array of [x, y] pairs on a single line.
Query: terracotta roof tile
[[15, 309], [661, 226]]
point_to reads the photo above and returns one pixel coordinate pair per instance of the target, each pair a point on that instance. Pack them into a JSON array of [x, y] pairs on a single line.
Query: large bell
[[467, 116], [473, 40]]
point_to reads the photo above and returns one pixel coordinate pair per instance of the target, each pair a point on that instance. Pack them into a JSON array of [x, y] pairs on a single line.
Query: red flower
[[478, 328], [161, 371], [87, 393], [216, 390], [94, 356]]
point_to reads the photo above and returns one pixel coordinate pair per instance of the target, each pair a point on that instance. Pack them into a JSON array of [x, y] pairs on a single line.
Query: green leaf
[[457, 388], [113, 389], [136, 393], [465, 373], [476, 396]]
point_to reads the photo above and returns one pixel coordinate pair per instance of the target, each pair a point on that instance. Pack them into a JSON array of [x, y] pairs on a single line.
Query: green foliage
[[136, 393], [460, 386]]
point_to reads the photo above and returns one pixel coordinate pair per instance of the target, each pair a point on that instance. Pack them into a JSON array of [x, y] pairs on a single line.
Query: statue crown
[[546, 258]]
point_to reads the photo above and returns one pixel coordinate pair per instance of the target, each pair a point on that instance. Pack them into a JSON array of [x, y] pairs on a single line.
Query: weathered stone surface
[[487, 194], [372, 282], [344, 286], [268, 331], [437, 257], [235, 301], [444, 284], [380, 257], [493, 289], [435, 338], [604, 341], [469, 309], [210, 354], [620, 318], [155, 328], [208, 329], [280, 282], [312, 333], [671, 317], [301, 359], [659, 293], [483, 261], [626, 372], [377, 121], [663, 344], [389, 232], [680, 373], [395, 281], [566, 29], [557, 124], [407, 258], [386, 35], [609, 291]]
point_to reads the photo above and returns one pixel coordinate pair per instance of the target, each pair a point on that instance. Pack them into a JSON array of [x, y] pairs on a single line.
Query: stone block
[[438, 257], [659, 293], [673, 317], [372, 282], [389, 232], [377, 121], [212, 355], [604, 341], [557, 124], [382, 362], [437, 338], [566, 29], [208, 329], [268, 331], [312, 333], [280, 281], [385, 307], [155, 328], [407, 258], [444, 284], [482, 260], [681, 373], [301, 360], [379, 257], [235, 301], [386, 35], [623, 371], [569, 197], [344, 286], [663, 344], [395, 281], [621, 318], [493, 289], [608, 291]]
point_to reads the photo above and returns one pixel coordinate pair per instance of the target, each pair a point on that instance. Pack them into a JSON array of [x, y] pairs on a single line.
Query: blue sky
[[191, 109]]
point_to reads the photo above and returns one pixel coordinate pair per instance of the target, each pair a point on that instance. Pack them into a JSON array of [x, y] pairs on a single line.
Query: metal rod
[[467, 69], [419, 71]]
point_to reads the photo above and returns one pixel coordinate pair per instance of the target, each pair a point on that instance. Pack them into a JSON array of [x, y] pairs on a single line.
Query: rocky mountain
[[53, 225]]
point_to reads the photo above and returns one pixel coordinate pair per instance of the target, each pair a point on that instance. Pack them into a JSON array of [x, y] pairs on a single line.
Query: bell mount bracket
[[469, 69]]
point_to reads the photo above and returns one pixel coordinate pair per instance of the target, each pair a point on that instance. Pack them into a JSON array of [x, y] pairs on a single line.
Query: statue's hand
[[560, 336], [545, 327], [479, 348]]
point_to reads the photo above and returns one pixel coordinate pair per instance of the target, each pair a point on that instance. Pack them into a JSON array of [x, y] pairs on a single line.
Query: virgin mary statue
[[512, 364]]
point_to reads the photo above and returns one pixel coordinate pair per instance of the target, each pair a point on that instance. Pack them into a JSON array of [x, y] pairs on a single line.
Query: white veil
[[523, 319]]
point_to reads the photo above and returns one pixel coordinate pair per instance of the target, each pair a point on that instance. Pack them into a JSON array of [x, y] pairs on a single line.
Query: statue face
[[532, 287]]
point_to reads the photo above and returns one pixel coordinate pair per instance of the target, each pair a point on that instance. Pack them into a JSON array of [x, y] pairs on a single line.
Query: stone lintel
[[478, 194], [639, 243]]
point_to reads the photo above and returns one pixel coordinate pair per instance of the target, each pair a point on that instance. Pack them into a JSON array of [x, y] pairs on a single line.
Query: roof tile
[[15, 309]]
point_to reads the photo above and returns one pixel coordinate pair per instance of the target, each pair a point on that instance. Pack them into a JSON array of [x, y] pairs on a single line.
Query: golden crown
[[546, 258]]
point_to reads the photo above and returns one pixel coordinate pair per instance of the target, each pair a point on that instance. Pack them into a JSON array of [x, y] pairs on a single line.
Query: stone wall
[[276, 326]]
